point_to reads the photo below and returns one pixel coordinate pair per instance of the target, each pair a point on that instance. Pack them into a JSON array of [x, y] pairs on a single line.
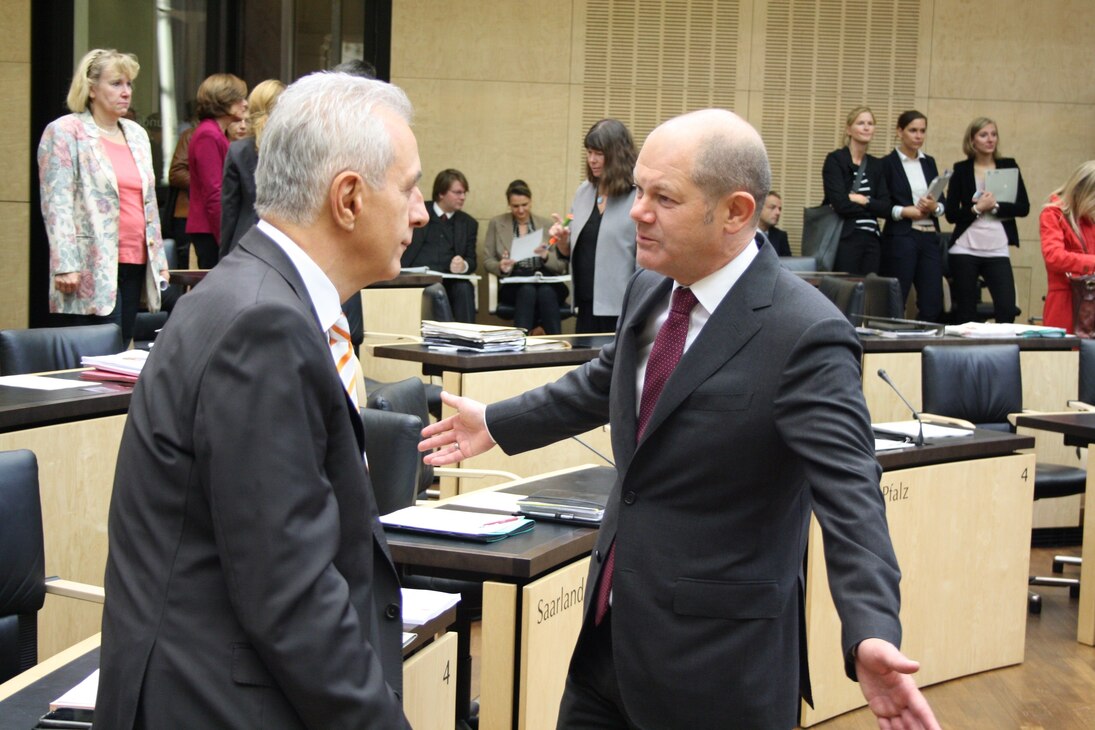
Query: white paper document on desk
[[41, 382], [80, 697], [420, 606], [911, 429]]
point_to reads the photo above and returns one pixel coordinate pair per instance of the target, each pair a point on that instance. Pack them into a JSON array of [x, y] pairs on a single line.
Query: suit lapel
[[729, 328]]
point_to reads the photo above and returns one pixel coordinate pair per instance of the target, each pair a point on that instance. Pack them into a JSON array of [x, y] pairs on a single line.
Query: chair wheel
[[1074, 591], [1058, 566], [1034, 604]]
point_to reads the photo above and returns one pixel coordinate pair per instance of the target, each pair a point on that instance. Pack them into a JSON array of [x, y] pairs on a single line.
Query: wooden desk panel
[[961, 532], [429, 685]]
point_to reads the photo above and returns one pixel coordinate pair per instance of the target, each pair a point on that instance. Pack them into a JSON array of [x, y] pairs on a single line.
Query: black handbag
[[822, 227]]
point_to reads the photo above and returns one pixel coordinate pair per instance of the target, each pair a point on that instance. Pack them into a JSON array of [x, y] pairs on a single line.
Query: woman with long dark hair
[[600, 240]]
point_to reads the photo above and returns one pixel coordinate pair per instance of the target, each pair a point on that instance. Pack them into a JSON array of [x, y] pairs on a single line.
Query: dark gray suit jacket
[[249, 583], [762, 422], [238, 193]]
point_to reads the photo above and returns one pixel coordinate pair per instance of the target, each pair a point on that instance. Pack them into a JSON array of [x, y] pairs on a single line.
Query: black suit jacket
[[836, 177], [762, 422], [960, 192], [428, 245], [901, 192], [249, 583], [238, 193], [778, 238]]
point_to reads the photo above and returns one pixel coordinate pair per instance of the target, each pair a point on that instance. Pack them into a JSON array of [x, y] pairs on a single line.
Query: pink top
[[208, 148], [131, 247]]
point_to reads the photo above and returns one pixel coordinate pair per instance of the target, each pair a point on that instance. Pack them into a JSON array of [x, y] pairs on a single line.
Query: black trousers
[[535, 303], [205, 245], [126, 303], [915, 258], [996, 271], [858, 253], [588, 322], [591, 698], [461, 299]]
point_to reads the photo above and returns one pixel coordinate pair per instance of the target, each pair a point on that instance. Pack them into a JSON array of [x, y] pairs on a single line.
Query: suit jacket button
[[597, 555], [629, 498], [392, 611]]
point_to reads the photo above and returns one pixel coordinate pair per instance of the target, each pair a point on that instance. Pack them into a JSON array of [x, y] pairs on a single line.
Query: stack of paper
[[476, 337], [992, 329], [124, 367], [80, 697], [421, 606], [477, 526]]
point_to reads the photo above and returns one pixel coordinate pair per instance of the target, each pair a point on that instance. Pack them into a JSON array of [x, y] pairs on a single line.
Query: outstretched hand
[[885, 679], [458, 437]]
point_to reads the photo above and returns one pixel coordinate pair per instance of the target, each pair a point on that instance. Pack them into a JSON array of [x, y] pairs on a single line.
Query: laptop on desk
[[575, 498]]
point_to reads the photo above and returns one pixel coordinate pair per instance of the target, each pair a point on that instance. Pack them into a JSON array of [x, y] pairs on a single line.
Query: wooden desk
[[429, 691], [1078, 428], [75, 434], [187, 279], [533, 594], [392, 308], [491, 377], [959, 514], [1050, 368]]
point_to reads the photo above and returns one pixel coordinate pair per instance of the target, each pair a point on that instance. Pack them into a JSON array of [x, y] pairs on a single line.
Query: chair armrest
[[935, 418], [492, 293], [72, 589], [445, 471], [1079, 405]]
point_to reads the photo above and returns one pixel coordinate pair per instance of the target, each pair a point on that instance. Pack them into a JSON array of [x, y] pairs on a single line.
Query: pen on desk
[[502, 522]]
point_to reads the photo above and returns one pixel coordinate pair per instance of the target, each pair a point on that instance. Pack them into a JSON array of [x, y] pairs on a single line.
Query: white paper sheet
[[40, 382]]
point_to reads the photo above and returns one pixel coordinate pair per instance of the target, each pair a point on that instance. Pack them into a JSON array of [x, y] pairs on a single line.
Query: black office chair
[[55, 348], [882, 297], [983, 385], [410, 398], [846, 294], [391, 446], [23, 585], [435, 304]]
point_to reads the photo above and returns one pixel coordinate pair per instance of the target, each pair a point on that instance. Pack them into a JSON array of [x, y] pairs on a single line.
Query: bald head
[[727, 153]]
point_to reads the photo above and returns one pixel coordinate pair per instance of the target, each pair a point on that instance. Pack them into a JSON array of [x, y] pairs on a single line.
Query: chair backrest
[[798, 263], [882, 297], [1087, 371], [391, 446], [22, 562], [846, 294], [407, 397], [55, 348], [435, 304], [979, 383], [146, 327]]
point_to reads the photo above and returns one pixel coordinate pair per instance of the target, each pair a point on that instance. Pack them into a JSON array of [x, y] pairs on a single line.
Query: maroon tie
[[664, 356]]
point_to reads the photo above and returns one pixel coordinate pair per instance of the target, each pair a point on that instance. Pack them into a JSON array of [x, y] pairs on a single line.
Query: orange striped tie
[[343, 352]]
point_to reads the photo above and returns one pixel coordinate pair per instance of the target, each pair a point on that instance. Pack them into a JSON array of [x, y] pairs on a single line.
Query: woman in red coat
[[1068, 241]]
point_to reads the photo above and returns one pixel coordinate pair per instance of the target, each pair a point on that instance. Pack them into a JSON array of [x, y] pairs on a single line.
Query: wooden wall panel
[[16, 153]]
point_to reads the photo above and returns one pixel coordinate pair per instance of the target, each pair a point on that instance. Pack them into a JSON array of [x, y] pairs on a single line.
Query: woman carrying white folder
[[533, 304], [984, 226]]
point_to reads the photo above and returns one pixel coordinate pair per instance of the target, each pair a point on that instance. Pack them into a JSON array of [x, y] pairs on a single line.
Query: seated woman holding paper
[[983, 201], [516, 247], [1068, 242]]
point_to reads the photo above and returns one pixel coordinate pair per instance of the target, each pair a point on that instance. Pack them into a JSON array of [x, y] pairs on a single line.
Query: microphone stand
[[916, 416]]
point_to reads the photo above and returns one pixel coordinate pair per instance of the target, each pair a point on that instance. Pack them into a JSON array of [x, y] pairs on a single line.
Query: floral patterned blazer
[[80, 207]]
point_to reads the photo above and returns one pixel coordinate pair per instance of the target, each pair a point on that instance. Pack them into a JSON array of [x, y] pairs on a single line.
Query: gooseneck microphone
[[920, 436]]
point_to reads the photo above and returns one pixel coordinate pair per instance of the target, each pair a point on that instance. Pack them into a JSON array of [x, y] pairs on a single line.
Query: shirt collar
[[713, 288], [321, 291], [440, 213], [905, 158]]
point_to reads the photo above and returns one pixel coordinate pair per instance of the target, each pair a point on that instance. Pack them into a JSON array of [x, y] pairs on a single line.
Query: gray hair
[[731, 163], [324, 124]]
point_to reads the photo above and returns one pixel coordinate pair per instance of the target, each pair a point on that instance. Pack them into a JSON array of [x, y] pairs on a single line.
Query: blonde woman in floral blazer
[[99, 200]]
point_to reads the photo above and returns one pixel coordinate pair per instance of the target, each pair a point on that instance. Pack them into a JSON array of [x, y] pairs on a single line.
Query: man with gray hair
[[733, 391], [248, 582]]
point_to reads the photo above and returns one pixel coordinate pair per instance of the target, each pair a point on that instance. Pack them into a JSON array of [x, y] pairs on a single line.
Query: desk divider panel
[[550, 623], [961, 532], [429, 685], [496, 675]]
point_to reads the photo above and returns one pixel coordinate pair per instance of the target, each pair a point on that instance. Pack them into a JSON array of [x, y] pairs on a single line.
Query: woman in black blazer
[[910, 240], [983, 226], [238, 183], [859, 251]]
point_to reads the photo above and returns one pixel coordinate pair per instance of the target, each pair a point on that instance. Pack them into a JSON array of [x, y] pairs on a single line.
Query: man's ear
[[739, 211], [347, 199]]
